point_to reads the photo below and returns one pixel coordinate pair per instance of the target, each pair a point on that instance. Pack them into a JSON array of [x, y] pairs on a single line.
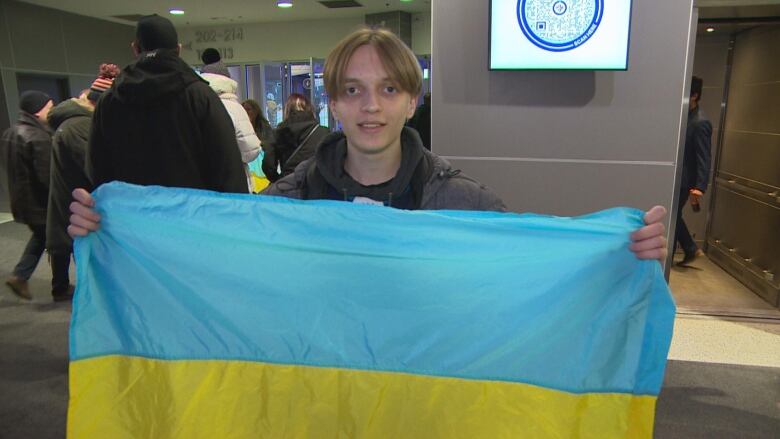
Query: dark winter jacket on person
[[27, 150], [289, 135], [72, 122], [265, 132], [161, 124], [424, 181], [698, 154]]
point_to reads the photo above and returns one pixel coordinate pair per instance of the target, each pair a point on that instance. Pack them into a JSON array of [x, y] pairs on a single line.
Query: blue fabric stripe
[[557, 302]]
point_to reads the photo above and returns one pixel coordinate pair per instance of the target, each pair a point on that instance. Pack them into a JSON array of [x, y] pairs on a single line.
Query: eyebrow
[[346, 80]]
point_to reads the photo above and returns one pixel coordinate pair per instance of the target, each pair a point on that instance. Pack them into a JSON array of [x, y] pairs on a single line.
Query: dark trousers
[[32, 254], [681, 233]]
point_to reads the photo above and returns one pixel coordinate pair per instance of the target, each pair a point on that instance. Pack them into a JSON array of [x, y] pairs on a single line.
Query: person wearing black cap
[[161, 124], [27, 147]]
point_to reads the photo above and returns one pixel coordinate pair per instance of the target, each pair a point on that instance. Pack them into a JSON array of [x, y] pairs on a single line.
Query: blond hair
[[397, 59]]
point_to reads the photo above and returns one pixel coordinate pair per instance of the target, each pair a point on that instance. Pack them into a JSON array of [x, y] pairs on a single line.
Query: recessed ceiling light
[[284, 3], [710, 29], [176, 11]]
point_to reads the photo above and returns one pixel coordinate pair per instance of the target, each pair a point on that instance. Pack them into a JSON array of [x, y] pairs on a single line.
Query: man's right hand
[[83, 219]]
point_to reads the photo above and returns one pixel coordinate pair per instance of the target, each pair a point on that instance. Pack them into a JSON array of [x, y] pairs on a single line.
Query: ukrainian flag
[[204, 315]]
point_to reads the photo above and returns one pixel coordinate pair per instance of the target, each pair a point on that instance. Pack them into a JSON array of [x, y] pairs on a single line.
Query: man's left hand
[[649, 242]]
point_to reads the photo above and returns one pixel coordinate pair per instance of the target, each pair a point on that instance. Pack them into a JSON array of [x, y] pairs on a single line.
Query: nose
[[371, 102]]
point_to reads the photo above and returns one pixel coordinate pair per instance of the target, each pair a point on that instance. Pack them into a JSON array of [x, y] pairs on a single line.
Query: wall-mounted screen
[[559, 34]]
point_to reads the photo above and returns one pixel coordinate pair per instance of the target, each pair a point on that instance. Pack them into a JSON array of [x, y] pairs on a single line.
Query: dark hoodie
[[161, 124], [288, 137], [72, 123], [424, 180]]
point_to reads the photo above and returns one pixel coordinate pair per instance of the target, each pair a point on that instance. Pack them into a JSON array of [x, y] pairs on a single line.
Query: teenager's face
[[372, 110]]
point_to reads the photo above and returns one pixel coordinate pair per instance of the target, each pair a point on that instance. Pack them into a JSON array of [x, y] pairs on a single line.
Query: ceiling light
[[284, 3], [175, 11], [710, 29]]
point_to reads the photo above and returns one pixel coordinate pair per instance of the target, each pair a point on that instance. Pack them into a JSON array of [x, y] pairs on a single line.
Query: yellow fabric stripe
[[130, 397]]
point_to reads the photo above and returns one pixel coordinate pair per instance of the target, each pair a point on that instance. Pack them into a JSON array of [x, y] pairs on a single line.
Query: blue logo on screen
[[559, 25]]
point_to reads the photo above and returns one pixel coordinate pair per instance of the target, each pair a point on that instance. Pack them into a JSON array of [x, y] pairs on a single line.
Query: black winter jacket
[[438, 185], [27, 148], [289, 135], [72, 123], [161, 124]]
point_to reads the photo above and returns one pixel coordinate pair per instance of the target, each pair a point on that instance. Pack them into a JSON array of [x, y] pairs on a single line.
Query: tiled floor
[[711, 340]]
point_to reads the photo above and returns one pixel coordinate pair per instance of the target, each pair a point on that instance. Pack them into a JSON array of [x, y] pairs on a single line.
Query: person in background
[[27, 147], [296, 138], [210, 56], [266, 134], [72, 122], [263, 129], [161, 124], [219, 80], [695, 169]]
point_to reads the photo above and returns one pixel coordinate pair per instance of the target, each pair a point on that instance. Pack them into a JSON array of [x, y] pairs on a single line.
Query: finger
[[653, 230], [648, 244], [83, 197], [79, 221], [76, 231], [79, 209], [655, 214], [659, 254]]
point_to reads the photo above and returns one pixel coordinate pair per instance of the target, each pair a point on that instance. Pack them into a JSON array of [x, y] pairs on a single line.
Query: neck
[[370, 169]]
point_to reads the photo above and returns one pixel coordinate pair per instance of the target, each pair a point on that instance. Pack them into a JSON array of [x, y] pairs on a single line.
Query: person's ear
[[178, 49], [332, 106], [136, 49], [412, 107]]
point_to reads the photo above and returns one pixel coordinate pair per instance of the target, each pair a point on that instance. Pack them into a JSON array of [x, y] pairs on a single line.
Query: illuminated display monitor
[[559, 34]]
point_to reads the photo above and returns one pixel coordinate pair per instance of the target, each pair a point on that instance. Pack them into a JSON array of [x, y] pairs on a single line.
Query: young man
[[373, 81], [28, 150]]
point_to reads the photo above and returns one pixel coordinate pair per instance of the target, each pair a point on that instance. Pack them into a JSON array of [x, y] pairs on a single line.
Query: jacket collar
[[26, 118]]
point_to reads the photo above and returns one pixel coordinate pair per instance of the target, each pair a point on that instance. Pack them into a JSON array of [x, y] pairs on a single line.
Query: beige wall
[[291, 40], [564, 142]]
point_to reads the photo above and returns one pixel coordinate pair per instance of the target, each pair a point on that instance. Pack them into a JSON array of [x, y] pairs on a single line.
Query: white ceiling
[[212, 12]]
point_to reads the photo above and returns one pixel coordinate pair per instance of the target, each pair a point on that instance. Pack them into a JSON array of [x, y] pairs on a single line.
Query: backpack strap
[[302, 144]]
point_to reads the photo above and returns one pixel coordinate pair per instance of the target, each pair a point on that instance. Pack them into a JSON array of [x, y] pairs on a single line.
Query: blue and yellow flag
[[204, 315]]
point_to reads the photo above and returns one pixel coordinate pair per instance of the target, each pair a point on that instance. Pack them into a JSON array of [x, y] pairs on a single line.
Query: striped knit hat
[[103, 82]]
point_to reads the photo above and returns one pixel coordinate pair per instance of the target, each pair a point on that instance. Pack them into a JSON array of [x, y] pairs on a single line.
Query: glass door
[[275, 91], [319, 98]]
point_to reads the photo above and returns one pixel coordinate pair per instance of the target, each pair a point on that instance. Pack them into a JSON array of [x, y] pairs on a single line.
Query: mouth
[[371, 125]]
